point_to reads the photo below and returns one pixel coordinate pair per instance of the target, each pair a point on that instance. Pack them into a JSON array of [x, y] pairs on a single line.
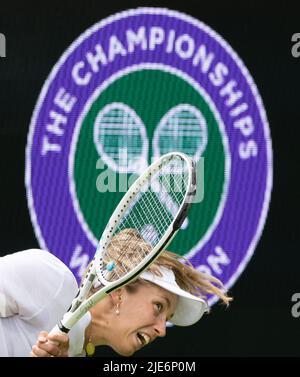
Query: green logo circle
[[137, 115]]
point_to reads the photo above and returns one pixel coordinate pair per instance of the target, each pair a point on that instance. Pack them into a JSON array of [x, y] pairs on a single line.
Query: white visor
[[189, 308]]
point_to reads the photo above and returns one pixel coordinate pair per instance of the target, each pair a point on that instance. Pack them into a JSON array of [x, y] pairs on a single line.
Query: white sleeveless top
[[36, 289]]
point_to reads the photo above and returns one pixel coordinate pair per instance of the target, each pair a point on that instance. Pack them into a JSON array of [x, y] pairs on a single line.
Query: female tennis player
[[38, 289]]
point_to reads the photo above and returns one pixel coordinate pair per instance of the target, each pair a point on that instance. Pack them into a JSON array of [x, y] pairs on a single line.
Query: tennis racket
[[145, 212], [183, 128]]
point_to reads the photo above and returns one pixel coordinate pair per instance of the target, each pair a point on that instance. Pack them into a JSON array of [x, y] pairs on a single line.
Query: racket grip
[[56, 330], [62, 327]]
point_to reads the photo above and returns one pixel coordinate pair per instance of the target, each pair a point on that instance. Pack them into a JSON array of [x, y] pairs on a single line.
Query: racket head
[[123, 221], [148, 217]]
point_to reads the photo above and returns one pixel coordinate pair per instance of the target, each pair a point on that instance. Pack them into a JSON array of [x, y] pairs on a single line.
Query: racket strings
[[157, 206], [146, 220], [145, 208], [127, 250]]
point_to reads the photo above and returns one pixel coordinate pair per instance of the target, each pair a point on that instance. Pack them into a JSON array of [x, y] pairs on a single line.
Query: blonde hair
[[129, 242]]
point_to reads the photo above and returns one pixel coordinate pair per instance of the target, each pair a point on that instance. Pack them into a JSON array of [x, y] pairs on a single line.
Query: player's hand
[[56, 345]]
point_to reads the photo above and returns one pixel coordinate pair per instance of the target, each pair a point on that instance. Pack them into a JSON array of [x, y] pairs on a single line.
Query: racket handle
[[60, 327], [56, 330]]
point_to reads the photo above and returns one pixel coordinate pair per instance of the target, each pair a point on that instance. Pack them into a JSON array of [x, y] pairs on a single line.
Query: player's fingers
[[39, 352], [32, 354], [62, 339], [49, 347], [42, 337], [64, 353]]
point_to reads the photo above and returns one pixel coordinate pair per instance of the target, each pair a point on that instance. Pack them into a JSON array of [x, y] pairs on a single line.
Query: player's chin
[[127, 348], [127, 353], [124, 351]]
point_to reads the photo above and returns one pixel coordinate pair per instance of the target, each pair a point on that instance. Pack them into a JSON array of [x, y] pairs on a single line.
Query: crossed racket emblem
[[120, 137]]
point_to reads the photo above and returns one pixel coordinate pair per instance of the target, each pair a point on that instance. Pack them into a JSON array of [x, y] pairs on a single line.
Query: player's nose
[[160, 327]]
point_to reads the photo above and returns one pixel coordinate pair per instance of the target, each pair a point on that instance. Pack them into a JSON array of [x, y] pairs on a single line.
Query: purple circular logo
[[134, 86]]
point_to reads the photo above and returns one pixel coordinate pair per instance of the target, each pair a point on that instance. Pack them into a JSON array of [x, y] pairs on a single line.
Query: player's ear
[[116, 295]]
